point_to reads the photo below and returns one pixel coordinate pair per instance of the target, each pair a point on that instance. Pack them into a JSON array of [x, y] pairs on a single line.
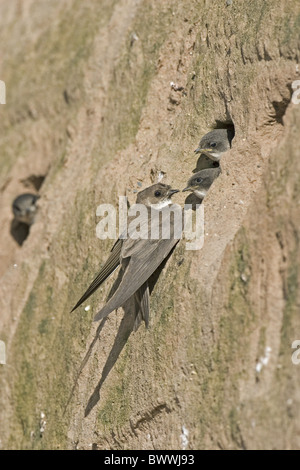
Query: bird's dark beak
[[188, 188], [173, 191], [198, 150]]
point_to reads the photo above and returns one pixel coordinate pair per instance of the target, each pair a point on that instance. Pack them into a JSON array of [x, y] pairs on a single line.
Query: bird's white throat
[[200, 194], [161, 204], [215, 156]]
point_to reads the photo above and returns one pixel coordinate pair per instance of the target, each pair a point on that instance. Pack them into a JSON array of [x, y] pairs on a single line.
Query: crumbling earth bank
[[102, 97]]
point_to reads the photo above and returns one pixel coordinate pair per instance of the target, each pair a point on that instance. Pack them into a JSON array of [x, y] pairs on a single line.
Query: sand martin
[[25, 209], [216, 142], [201, 181], [139, 257]]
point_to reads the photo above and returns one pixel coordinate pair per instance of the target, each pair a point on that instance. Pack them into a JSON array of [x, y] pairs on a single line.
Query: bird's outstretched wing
[[110, 265]]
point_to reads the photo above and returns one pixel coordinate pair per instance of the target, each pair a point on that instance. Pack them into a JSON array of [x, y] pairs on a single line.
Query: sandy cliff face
[[90, 115]]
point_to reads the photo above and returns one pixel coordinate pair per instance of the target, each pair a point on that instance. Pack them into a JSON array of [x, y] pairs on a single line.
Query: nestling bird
[[25, 209], [201, 181], [140, 257], [216, 142]]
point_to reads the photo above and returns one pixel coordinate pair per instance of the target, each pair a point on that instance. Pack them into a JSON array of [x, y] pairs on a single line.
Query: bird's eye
[[213, 144], [198, 180], [157, 193]]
